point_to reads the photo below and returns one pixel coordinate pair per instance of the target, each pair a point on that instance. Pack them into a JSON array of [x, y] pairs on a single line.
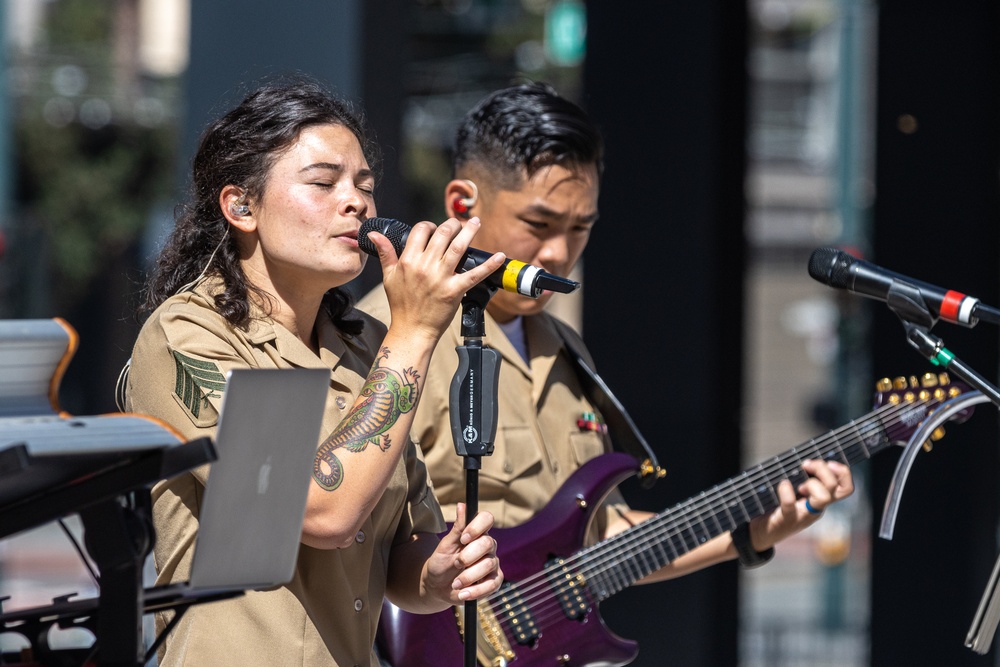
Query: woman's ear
[[236, 209]]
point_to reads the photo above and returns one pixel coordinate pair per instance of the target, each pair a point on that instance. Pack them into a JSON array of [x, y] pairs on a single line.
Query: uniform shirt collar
[[333, 343]]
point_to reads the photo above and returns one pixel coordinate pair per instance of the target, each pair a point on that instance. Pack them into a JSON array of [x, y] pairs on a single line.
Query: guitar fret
[[871, 437], [714, 517], [843, 458], [648, 562], [797, 475], [663, 556], [819, 454], [597, 584], [634, 572], [704, 533], [855, 450], [676, 545], [757, 490]]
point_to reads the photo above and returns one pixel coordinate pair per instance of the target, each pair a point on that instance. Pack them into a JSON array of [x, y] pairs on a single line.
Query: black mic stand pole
[[473, 410]]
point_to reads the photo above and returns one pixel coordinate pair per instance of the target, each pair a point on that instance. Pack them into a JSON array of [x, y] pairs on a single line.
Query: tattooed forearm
[[385, 396]]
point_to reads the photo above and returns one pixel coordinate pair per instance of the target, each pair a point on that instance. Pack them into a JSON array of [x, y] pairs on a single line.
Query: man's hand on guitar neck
[[828, 482]]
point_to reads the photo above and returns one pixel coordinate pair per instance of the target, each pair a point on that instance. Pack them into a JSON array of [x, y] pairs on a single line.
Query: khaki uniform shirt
[[538, 443], [328, 614]]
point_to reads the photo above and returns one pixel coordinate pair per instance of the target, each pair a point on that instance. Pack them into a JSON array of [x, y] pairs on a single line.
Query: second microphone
[[514, 276]]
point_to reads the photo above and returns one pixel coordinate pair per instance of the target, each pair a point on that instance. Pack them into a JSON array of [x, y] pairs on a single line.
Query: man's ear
[[236, 209], [460, 196]]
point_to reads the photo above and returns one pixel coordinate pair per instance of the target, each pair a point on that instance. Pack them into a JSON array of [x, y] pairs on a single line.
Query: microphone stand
[[917, 321], [473, 410]]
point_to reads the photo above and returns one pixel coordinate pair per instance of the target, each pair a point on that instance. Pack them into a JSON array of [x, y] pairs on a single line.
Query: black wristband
[[749, 557]]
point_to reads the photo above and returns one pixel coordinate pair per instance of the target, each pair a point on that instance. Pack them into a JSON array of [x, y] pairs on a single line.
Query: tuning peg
[[935, 436]]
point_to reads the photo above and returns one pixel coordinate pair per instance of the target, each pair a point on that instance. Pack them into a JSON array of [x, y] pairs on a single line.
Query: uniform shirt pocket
[[586, 445], [516, 452]]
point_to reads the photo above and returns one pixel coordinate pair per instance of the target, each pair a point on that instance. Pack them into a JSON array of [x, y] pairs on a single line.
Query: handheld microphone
[[838, 269], [513, 276]]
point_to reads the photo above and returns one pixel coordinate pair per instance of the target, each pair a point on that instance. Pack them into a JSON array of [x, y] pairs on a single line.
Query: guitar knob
[[883, 385]]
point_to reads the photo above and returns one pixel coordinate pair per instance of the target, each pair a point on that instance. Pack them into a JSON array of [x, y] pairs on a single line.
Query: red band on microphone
[[950, 305]]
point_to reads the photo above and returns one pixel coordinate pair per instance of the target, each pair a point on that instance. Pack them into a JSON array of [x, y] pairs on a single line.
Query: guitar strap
[[622, 430]]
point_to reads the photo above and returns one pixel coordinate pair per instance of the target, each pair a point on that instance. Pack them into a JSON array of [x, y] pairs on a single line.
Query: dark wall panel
[[663, 281], [936, 219]]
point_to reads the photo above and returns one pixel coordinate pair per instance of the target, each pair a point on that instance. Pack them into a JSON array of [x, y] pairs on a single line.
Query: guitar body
[[432, 640], [546, 611]]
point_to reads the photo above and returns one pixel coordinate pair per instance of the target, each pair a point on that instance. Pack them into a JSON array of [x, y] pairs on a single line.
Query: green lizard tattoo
[[385, 396]]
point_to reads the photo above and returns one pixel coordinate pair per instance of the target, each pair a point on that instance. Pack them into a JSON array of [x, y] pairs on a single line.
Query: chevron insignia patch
[[196, 381]]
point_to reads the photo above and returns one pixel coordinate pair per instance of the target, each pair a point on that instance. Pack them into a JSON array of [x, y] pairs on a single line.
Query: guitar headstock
[[918, 398]]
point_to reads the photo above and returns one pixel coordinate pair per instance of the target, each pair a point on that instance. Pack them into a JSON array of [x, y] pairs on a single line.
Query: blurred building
[[149, 70]]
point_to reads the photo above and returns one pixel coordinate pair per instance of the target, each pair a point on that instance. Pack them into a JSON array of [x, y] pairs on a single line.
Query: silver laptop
[[255, 500]]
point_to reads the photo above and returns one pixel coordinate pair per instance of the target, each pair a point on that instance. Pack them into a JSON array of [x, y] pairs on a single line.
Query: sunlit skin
[[302, 236], [298, 240], [547, 222]]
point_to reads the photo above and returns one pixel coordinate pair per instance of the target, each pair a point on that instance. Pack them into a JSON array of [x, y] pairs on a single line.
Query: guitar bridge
[[493, 647]]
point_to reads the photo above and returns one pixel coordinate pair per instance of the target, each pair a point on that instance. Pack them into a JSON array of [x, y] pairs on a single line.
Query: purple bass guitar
[[546, 613]]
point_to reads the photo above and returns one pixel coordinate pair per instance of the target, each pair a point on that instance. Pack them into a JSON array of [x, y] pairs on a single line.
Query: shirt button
[[360, 537], [555, 466], [507, 467], [341, 402], [358, 605]]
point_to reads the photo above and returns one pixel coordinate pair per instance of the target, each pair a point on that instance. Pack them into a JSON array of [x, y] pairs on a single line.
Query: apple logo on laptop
[[264, 477]]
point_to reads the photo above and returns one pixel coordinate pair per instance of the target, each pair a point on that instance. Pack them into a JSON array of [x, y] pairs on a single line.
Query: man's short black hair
[[515, 131]]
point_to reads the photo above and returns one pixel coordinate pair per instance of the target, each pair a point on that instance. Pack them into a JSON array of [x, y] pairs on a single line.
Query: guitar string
[[618, 555], [539, 585], [642, 531]]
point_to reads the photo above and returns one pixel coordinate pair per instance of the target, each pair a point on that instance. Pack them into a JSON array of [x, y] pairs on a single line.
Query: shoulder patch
[[196, 381]]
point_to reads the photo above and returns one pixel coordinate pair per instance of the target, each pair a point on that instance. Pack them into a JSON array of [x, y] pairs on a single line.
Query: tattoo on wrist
[[386, 395]]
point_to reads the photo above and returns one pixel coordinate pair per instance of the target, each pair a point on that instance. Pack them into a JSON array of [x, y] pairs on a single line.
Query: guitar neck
[[618, 562]]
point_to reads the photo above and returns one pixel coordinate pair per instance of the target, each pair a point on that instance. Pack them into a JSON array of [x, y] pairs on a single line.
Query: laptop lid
[[255, 499]]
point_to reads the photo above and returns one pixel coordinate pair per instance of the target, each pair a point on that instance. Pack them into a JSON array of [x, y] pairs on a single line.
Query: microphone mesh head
[[830, 266], [394, 230]]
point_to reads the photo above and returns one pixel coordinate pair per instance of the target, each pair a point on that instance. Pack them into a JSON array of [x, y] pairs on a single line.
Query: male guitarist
[[528, 163]]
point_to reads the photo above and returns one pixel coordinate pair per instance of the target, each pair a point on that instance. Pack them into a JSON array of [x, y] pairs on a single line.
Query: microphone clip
[[907, 302]]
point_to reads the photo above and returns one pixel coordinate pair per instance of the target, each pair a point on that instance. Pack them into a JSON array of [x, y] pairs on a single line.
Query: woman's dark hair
[[239, 149], [516, 131]]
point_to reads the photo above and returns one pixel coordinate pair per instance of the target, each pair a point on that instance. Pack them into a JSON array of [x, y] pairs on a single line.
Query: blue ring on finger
[[811, 509]]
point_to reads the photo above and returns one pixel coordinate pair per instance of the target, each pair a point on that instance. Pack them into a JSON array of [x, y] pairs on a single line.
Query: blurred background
[[741, 136]]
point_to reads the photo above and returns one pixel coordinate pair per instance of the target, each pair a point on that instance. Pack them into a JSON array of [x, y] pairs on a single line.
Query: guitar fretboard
[[620, 561]]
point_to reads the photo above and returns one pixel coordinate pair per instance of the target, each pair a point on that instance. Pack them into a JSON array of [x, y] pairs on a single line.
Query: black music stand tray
[[110, 491]]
